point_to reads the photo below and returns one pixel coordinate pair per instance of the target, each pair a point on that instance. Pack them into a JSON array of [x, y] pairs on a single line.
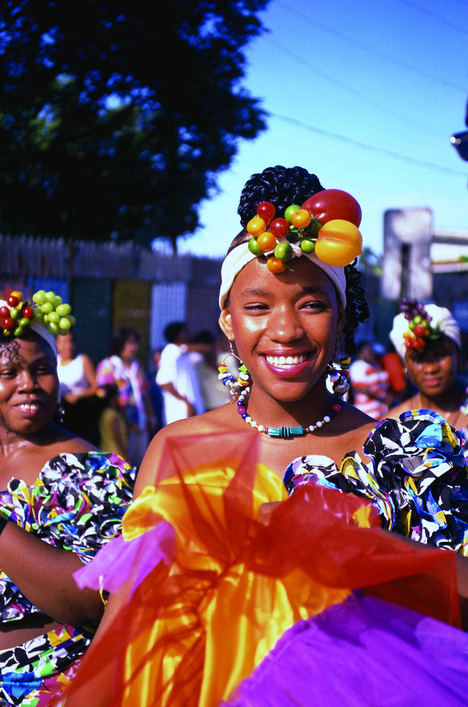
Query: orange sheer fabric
[[195, 627]]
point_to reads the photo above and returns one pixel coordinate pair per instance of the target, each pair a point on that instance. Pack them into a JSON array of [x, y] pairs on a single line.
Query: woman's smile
[[287, 363], [29, 408]]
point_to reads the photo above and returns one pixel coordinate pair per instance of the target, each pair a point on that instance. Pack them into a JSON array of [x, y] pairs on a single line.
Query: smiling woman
[[60, 500], [217, 563]]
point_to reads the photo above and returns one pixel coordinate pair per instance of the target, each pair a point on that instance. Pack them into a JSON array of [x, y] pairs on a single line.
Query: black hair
[[357, 307], [362, 345], [69, 332], [120, 337], [442, 346], [108, 391], [172, 331], [283, 186], [203, 337], [9, 345]]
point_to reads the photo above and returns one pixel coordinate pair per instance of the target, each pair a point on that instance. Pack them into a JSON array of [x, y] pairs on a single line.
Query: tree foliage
[[117, 115]]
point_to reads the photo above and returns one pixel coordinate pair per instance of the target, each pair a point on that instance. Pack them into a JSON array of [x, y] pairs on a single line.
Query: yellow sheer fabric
[[225, 604]]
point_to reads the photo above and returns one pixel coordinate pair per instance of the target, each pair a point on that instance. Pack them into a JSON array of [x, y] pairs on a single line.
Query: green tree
[[116, 116]]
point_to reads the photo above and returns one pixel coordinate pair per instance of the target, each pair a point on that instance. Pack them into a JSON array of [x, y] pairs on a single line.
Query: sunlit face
[[28, 385], [285, 326], [433, 370]]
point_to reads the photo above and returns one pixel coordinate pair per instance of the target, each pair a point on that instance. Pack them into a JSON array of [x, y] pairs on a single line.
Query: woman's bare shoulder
[[396, 411], [351, 419], [61, 441], [219, 420], [352, 430], [212, 421]]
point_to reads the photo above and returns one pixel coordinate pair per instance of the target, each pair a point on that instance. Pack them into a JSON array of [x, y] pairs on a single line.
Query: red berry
[[8, 323], [28, 312], [280, 227], [419, 330], [4, 312], [12, 301], [266, 211]]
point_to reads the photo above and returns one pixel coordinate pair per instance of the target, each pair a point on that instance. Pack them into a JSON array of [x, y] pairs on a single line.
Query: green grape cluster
[[52, 312]]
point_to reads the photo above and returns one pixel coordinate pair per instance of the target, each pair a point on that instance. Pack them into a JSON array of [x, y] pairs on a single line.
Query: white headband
[[441, 318], [40, 331], [241, 255]]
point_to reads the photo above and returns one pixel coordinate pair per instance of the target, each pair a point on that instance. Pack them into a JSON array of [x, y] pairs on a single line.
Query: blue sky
[[364, 94]]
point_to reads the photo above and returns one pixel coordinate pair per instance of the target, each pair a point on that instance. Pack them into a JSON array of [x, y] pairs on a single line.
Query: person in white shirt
[[79, 405], [177, 377]]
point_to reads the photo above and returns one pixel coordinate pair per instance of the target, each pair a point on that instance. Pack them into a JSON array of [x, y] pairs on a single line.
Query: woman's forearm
[[44, 574]]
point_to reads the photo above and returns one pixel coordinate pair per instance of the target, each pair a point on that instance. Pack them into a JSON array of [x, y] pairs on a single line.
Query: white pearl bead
[[260, 428], [248, 419], [326, 418], [319, 423]]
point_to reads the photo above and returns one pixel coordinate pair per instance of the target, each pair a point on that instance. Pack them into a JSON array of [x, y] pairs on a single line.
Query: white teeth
[[29, 406], [286, 361]]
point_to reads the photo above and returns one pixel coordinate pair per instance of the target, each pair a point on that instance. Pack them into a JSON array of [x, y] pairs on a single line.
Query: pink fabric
[[121, 560]]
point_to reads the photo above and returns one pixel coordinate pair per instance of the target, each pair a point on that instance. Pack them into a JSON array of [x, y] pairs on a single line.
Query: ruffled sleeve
[[417, 478], [76, 504]]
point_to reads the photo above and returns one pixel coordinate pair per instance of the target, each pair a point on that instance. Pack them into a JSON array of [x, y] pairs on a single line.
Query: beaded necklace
[[283, 432], [240, 390]]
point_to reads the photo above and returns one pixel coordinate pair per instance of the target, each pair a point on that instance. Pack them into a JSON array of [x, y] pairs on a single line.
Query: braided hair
[[357, 307], [280, 185], [9, 347], [283, 186]]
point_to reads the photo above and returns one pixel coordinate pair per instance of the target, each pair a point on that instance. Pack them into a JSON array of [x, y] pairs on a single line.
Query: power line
[[370, 148], [434, 15], [372, 50], [345, 87]]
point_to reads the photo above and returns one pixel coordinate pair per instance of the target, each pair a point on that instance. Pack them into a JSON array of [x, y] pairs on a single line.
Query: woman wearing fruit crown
[[60, 501], [428, 340], [219, 575]]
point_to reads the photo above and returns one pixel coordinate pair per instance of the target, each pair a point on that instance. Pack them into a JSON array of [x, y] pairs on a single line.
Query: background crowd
[[119, 405]]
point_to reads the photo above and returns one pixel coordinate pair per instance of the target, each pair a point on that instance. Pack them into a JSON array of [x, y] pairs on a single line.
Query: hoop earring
[[242, 383], [338, 371]]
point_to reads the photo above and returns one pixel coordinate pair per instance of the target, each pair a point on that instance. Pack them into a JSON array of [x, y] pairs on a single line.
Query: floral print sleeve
[[417, 478], [76, 504]]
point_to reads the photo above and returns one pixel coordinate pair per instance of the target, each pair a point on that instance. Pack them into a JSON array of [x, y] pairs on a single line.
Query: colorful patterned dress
[[310, 605], [76, 504], [417, 479]]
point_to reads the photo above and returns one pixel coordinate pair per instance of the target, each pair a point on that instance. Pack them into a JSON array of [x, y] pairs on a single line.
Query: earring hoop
[[338, 371], [234, 386], [60, 411]]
